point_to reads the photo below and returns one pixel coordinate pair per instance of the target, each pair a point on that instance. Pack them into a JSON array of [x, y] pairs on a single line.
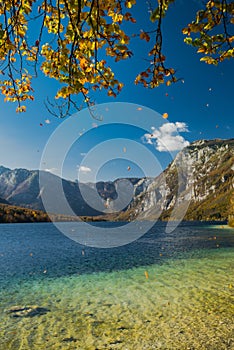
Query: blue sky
[[204, 102]]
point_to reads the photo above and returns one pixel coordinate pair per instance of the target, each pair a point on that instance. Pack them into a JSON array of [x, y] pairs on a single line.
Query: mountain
[[20, 187], [3, 201], [197, 185], [3, 169]]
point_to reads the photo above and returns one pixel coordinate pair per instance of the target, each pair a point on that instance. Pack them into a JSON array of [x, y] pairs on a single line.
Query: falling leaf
[[146, 275], [145, 36], [165, 115]]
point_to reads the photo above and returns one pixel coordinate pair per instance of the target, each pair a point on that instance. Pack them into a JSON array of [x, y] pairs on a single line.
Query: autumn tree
[[69, 40]]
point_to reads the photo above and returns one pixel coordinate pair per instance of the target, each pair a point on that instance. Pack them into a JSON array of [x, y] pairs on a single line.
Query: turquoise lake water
[[163, 291]]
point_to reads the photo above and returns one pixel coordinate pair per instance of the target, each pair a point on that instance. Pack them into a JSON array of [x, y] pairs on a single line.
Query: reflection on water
[[164, 291]]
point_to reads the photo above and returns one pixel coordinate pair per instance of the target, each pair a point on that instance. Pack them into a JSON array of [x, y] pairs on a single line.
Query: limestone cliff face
[[198, 185]]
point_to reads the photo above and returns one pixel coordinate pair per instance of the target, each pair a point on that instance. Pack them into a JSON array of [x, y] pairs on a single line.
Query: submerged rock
[[71, 339], [27, 311]]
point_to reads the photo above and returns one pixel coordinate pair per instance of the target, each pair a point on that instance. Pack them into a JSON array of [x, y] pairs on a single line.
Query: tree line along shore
[[15, 214]]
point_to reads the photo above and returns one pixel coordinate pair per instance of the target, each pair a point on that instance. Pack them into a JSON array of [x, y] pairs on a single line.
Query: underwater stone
[[27, 311], [71, 339]]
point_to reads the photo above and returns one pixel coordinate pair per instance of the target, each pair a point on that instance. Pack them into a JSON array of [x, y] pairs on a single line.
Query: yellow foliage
[[79, 32]]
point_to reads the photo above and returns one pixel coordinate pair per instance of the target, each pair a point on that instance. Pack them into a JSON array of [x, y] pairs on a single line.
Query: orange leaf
[[145, 36]]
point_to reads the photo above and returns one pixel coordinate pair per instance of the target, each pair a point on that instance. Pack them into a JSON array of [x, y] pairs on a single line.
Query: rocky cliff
[[197, 185]]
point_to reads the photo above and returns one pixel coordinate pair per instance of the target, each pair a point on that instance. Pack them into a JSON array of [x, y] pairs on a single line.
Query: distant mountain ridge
[[20, 187], [206, 172]]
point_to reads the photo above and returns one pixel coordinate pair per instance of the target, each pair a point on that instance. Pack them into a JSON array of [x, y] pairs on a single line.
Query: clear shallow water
[[101, 299]]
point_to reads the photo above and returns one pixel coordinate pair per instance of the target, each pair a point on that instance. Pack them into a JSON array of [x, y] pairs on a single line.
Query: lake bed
[[163, 291]]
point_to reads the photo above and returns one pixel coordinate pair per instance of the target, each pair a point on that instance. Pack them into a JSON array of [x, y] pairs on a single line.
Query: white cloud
[[84, 169], [167, 138], [51, 170]]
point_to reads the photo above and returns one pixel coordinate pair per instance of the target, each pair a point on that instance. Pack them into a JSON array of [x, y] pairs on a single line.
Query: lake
[[162, 291]]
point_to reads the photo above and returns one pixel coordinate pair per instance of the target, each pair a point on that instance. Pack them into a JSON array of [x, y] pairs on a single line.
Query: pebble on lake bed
[[27, 311], [71, 339]]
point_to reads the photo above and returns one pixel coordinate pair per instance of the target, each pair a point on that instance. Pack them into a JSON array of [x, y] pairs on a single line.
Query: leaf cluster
[[73, 42], [212, 32]]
